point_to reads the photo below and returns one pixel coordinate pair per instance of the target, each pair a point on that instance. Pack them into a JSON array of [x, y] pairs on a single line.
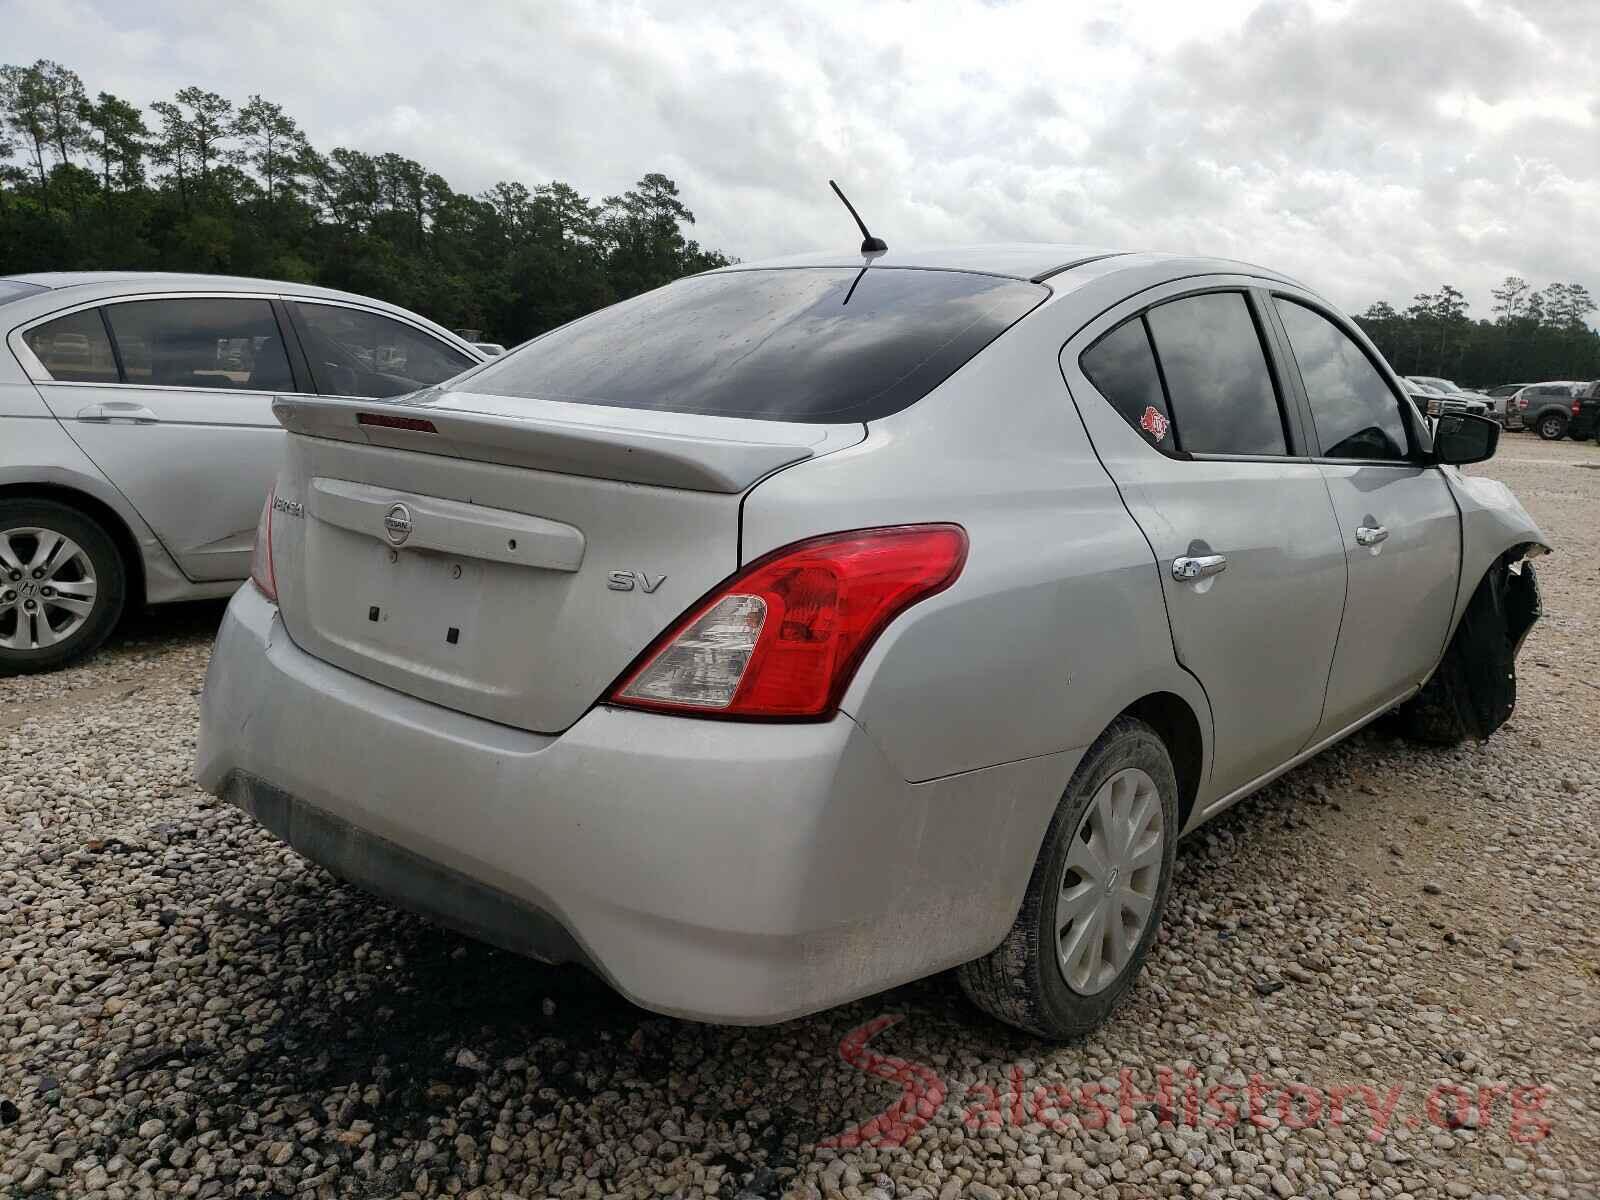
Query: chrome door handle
[[1204, 566], [118, 410], [1371, 535]]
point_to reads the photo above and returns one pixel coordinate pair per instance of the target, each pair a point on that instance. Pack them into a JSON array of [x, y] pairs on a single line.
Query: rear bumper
[[713, 870]]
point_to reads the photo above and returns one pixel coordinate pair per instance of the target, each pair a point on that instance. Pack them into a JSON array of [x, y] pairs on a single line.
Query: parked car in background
[[1510, 415], [1586, 417], [1445, 386], [1435, 383], [802, 628], [1433, 403], [1547, 407], [1477, 403], [137, 435], [489, 349]]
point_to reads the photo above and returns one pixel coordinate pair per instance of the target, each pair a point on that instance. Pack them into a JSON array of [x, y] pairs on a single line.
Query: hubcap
[[1108, 890], [53, 589]]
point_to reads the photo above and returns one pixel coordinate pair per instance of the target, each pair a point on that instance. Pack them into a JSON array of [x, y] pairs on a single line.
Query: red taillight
[[1522, 402], [261, 572], [783, 637], [1577, 407]]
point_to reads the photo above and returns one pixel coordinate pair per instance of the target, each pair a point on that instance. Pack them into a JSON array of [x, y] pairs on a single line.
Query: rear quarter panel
[[1056, 623]]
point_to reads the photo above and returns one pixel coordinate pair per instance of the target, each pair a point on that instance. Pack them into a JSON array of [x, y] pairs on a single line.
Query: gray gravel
[[188, 1009]]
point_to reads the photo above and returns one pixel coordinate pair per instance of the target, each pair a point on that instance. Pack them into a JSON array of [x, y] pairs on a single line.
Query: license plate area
[[422, 613], [422, 603]]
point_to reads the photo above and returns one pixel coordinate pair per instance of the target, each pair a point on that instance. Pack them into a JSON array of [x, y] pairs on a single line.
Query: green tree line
[[198, 183], [1533, 336]]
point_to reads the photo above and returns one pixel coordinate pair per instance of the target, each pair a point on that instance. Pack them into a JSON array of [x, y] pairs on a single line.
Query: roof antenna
[[869, 244]]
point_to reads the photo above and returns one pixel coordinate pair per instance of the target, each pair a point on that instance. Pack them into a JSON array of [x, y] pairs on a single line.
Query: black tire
[[1021, 981], [1552, 427], [110, 587]]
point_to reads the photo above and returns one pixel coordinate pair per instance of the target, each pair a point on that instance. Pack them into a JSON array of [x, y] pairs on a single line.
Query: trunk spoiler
[[664, 449]]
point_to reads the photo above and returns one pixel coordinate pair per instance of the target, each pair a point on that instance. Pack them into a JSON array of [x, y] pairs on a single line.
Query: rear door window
[[803, 344], [1355, 413], [1218, 384], [354, 352], [74, 348], [223, 342], [1122, 367]]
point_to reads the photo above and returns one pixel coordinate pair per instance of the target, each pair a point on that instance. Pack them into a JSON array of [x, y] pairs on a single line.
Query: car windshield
[[809, 345], [16, 289]]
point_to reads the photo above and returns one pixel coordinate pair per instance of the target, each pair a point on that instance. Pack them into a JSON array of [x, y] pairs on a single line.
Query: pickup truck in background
[[1585, 421]]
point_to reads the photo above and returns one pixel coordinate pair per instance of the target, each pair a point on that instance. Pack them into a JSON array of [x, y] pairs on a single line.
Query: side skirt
[[1261, 781]]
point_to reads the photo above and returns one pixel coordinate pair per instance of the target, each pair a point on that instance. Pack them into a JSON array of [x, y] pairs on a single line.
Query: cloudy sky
[[1372, 147]]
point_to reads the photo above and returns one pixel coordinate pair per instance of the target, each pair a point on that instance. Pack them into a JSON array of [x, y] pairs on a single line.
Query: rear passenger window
[[1218, 384], [204, 342], [1355, 413], [357, 353], [1122, 368], [74, 348]]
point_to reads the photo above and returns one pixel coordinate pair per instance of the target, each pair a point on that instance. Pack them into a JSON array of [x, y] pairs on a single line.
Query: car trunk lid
[[509, 557]]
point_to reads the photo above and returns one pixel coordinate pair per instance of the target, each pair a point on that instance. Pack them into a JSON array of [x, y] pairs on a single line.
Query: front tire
[[1094, 902], [1553, 427], [62, 585]]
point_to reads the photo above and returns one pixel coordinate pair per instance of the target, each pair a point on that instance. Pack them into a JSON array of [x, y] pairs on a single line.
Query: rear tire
[[1094, 902], [1552, 427], [62, 585]]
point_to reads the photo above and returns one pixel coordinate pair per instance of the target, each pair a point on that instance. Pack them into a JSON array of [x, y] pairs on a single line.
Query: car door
[[171, 397], [1186, 415], [1398, 521]]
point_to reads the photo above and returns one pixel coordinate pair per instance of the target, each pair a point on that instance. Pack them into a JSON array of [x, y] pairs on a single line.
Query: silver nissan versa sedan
[[805, 627], [137, 435]]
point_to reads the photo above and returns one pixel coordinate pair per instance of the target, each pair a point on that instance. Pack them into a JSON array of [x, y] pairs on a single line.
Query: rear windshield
[[15, 289], [810, 345]]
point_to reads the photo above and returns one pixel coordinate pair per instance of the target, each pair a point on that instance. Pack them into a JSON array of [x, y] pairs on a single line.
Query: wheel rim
[[1108, 889], [48, 588], [1552, 428]]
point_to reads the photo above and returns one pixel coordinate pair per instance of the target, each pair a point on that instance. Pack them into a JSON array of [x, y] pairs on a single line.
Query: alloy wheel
[[1109, 887], [47, 588]]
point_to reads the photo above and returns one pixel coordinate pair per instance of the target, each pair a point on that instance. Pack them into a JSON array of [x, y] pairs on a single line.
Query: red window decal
[[1154, 423]]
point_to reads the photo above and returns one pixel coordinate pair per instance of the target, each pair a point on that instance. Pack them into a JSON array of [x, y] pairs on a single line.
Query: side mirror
[[1460, 438]]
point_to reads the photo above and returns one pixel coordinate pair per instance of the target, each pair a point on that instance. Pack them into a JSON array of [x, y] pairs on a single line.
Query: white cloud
[[1373, 148]]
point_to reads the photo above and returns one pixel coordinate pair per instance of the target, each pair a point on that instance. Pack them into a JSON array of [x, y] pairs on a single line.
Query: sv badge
[[626, 581]]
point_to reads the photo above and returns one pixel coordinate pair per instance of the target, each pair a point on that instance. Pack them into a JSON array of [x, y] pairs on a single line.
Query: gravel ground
[[187, 1008]]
